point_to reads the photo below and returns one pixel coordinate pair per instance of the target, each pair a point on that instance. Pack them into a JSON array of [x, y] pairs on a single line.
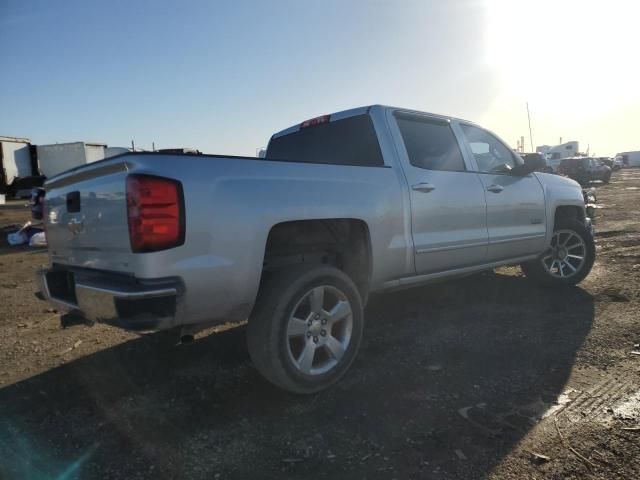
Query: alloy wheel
[[319, 330], [566, 255]]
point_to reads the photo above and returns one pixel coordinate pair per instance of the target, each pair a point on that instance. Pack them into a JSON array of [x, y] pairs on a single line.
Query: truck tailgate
[[86, 217]]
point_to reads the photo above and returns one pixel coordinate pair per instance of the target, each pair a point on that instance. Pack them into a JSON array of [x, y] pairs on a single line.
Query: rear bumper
[[119, 300]]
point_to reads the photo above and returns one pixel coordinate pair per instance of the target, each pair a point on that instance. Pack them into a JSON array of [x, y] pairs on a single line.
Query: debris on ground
[[38, 240], [460, 454], [73, 347], [538, 457], [24, 234], [565, 442], [590, 200]]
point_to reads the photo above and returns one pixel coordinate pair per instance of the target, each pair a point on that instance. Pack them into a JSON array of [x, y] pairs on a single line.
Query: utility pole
[[530, 134]]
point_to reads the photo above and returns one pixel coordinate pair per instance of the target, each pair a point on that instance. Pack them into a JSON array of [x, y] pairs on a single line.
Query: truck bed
[[230, 204]]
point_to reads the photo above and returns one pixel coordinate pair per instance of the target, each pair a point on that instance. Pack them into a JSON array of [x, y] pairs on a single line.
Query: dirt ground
[[486, 377]]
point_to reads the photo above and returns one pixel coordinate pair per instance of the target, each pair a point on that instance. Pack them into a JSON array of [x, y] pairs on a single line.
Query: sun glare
[[579, 56]]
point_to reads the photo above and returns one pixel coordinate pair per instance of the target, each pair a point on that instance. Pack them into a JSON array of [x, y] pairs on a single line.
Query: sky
[[222, 76]]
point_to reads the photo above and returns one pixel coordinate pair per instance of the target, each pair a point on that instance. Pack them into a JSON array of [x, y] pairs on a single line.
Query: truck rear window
[[350, 141]]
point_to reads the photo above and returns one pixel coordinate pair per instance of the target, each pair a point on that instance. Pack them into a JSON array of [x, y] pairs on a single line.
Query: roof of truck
[[360, 111]]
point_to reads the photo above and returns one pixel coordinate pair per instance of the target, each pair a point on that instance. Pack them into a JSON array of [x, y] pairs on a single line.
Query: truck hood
[[557, 182]]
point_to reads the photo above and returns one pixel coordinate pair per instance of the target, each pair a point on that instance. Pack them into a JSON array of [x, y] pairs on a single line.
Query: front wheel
[[569, 258], [306, 327]]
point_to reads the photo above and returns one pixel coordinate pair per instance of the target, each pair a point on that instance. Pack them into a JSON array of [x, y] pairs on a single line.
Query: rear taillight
[[155, 212]]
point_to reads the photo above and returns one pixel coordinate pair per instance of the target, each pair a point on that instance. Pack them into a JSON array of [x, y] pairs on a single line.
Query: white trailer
[[555, 153], [629, 159], [56, 158], [17, 164]]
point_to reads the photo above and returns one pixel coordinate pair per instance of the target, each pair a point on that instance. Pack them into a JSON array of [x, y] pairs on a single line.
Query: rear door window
[[349, 141], [430, 143]]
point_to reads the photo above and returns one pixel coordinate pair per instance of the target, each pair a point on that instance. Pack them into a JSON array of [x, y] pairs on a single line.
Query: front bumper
[[589, 224], [120, 300]]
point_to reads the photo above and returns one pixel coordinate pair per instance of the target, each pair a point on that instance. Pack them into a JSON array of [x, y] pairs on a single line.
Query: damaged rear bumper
[[119, 300]]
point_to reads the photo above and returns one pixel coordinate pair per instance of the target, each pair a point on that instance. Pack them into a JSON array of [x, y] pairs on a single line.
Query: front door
[[448, 210], [516, 217]]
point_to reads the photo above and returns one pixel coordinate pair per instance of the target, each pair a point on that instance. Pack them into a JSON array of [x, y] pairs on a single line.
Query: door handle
[[495, 188], [423, 187]]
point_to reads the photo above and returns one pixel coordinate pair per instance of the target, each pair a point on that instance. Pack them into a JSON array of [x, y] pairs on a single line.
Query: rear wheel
[[569, 258], [306, 327]]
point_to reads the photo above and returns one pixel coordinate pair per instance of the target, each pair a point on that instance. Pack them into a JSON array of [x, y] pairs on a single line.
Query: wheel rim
[[319, 330], [566, 255]]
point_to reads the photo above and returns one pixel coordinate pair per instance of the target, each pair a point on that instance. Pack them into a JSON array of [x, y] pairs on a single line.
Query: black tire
[[607, 178], [536, 271], [267, 337]]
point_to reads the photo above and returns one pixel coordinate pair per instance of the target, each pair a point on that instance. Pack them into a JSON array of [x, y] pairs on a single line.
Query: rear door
[[515, 204], [448, 210]]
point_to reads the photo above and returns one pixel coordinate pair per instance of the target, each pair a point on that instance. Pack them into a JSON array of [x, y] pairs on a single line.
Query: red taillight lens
[[155, 212]]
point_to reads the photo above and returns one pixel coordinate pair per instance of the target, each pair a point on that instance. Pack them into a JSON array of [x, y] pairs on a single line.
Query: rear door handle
[[423, 187], [495, 188]]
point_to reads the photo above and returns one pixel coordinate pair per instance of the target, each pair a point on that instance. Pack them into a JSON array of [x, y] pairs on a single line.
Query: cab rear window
[[350, 141]]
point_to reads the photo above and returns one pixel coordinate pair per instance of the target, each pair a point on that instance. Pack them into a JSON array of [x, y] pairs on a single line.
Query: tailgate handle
[[73, 202]]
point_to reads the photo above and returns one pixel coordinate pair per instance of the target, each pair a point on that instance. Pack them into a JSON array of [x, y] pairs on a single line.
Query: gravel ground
[[486, 377]]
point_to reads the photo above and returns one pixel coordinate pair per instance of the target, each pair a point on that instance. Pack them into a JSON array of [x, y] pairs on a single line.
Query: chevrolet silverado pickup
[[341, 206]]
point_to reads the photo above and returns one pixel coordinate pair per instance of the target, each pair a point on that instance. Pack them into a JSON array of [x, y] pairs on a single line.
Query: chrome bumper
[[122, 301]]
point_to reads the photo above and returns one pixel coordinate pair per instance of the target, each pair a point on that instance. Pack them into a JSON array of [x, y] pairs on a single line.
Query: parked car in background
[[612, 163], [584, 170], [366, 200]]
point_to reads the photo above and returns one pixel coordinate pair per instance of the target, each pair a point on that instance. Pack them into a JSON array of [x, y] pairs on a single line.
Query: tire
[[280, 346], [559, 273], [607, 179]]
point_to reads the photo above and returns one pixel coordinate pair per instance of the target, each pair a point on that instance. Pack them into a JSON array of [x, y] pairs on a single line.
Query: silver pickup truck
[[344, 205]]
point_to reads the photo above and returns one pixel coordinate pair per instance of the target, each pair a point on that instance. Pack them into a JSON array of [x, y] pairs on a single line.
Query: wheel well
[[341, 242], [569, 212]]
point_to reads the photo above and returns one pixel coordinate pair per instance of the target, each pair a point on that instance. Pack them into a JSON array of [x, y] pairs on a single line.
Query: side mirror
[[532, 162]]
